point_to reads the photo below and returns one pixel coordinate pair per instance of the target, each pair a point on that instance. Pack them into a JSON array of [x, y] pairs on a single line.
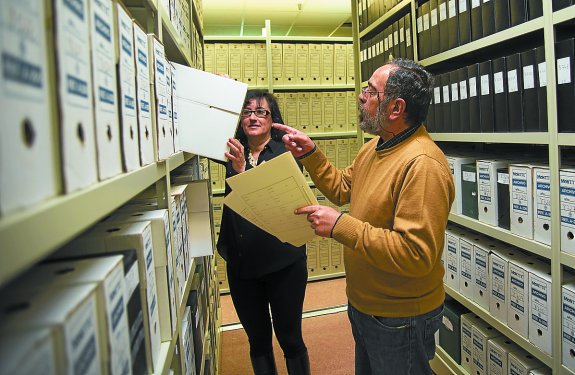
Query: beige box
[[105, 89], [235, 68], [340, 61], [262, 64], [327, 67], [291, 107], [481, 333], [221, 58], [29, 158], [342, 153], [330, 150], [312, 248], [336, 255], [328, 101], [249, 64], [277, 64], [352, 112], [315, 64], [350, 66], [302, 63], [324, 256], [340, 112], [69, 313], [303, 111], [77, 126], [316, 105], [281, 99], [289, 64], [148, 153], [210, 57]]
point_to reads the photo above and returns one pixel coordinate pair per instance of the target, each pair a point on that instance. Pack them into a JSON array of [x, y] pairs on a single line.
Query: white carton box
[[452, 258], [105, 88], [467, 322], [175, 122], [108, 237], [164, 138], [163, 261], [69, 312], [143, 100], [77, 134], [540, 323], [541, 371], [499, 265], [542, 205], [26, 134], [481, 333], [30, 353], [466, 265], [567, 202], [487, 189], [107, 274], [521, 362], [481, 273], [127, 89], [455, 163], [521, 200], [206, 98], [568, 323], [498, 350], [518, 308]]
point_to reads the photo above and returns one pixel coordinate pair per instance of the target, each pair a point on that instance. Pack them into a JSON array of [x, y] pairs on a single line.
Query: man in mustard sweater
[[400, 191]]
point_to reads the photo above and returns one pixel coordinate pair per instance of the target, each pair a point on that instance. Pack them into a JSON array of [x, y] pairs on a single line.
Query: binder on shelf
[[289, 64], [438, 121], [350, 64], [429, 123], [424, 31], [529, 97], [488, 199], [261, 64], [443, 25], [340, 64], [291, 108], [315, 63], [521, 199], [464, 21], [469, 190], [565, 54], [455, 165], [27, 135], [327, 52], [473, 85], [434, 27], [499, 259], [446, 102], [476, 21], [487, 17], [249, 64], [143, 99], [518, 286], [303, 111], [500, 104], [466, 266], [568, 322], [340, 112], [514, 78], [352, 111], [467, 322], [164, 139], [408, 34], [498, 350], [235, 51], [501, 10], [534, 9], [567, 202], [453, 23], [77, 127], [464, 115], [481, 334], [542, 205], [401, 30], [486, 109], [481, 272], [277, 64], [541, 83], [454, 105], [316, 107], [395, 32], [302, 63], [209, 57], [518, 10], [503, 218], [450, 329], [521, 362]]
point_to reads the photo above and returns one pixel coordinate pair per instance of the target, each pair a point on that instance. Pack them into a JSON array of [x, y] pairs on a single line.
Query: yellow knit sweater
[[393, 235]]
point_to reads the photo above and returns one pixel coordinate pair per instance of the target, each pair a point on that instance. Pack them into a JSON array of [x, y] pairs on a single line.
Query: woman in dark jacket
[[264, 274]]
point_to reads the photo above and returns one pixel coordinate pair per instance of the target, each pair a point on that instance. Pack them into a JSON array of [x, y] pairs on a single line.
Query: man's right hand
[[297, 142]]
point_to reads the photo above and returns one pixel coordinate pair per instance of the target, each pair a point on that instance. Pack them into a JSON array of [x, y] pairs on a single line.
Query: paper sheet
[[268, 195]]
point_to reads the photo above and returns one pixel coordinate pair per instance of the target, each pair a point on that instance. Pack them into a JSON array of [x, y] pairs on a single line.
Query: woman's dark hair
[[258, 96]]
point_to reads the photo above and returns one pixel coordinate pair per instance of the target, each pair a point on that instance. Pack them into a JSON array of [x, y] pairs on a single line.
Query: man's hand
[[321, 218], [236, 155], [298, 143]]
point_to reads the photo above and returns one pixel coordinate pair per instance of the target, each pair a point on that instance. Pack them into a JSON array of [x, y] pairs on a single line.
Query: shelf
[[346, 86], [532, 138], [567, 259], [491, 40], [388, 15], [175, 50], [311, 39], [165, 355], [503, 235], [566, 139], [42, 229], [213, 38], [326, 277], [347, 134], [443, 364], [500, 326], [566, 14]]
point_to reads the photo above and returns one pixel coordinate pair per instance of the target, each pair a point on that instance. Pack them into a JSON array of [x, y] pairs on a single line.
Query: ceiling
[[287, 17]]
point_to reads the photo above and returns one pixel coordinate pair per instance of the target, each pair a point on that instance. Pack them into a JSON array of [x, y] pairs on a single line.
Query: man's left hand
[[321, 218]]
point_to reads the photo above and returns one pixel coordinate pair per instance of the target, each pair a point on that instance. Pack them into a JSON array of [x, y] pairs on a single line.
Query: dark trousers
[[280, 292]]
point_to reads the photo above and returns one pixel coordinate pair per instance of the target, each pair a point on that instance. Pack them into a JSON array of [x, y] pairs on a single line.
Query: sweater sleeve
[[413, 245], [335, 184]]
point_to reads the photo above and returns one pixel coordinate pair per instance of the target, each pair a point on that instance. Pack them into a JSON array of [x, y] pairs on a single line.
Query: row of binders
[[513, 286], [506, 94], [393, 41], [292, 63], [479, 348], [514, 195], [101, 103], [369, 11], [97, 308], [319, 112]]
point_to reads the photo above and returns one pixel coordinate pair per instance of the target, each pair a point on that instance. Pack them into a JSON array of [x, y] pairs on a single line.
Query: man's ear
[[397, 108]]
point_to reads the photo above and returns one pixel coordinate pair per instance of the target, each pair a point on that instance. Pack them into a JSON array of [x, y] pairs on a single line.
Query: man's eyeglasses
[[370, 91], [259, 112]]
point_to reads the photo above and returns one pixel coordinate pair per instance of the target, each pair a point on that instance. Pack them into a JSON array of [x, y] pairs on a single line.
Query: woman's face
[[254, 125]]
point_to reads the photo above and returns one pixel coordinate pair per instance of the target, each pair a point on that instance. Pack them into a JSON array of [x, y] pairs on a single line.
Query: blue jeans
[[394, 346]]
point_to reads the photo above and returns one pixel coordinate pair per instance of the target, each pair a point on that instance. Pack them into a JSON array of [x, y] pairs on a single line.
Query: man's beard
[[371, 125]]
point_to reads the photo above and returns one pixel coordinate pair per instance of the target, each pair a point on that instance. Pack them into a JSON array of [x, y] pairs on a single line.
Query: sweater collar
[[384, 145]]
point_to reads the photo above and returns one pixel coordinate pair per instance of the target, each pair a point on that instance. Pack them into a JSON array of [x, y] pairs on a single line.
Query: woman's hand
[[236, 155]]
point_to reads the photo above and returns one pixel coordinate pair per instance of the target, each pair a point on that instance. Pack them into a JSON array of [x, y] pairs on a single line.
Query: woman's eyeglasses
[[259, 112]]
